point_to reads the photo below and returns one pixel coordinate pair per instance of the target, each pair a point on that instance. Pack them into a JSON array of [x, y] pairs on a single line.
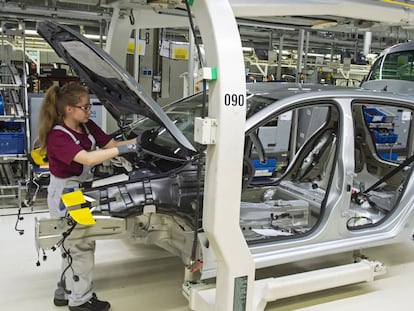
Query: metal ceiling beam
[[378, 11], [262, 16], [40, 13]]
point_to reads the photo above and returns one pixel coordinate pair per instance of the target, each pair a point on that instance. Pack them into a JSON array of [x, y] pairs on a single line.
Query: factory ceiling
[[340, 25]]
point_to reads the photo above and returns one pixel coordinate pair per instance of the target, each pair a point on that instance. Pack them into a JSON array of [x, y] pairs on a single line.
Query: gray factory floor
[[137, 277]]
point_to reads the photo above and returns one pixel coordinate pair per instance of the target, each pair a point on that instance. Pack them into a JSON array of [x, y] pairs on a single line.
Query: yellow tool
[[83, 215]]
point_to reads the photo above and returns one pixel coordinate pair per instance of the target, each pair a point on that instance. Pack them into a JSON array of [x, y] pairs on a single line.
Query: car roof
[[399, 47], [286, 95], [278, 90]]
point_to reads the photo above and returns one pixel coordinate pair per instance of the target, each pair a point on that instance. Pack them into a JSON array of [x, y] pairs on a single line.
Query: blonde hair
[[53, 107]]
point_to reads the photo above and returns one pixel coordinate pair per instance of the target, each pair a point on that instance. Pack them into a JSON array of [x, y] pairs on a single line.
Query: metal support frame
[[299, 66], [378, 11], [367, 42], [227, 104], [279, 59], [191, 65], [235, 267], [273, 289]]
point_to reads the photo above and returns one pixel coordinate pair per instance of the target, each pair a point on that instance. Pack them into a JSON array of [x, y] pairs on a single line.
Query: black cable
[[200, 162], [44, 257], [200, 60], [19, 217], [391, 173], [66, 254], [197, 210], [131, 17], [190, 18], [358, 197]]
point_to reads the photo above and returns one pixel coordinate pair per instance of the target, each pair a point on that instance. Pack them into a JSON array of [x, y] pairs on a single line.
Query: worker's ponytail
[[48, 116]]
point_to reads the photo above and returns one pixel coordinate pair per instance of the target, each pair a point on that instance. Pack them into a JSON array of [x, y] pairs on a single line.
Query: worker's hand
[[148, 136], [127, 148]]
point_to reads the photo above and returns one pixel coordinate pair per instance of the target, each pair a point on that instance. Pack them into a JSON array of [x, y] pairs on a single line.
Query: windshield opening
[[183, 114], [394, 66]]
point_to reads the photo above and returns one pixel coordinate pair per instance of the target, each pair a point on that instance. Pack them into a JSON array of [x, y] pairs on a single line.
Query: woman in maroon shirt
[[70, 139]]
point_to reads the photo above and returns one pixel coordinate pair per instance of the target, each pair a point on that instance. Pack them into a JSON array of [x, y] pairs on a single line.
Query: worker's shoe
[[60, 298], [92, 304], [60, 302]]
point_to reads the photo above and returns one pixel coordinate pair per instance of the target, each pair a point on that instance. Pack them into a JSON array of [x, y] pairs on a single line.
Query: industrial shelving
[[14, 122]]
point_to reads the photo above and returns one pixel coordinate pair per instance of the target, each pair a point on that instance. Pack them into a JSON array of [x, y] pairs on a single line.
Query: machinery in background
[[335, 193]]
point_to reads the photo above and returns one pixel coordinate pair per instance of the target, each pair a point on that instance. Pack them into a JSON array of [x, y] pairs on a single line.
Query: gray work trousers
[[78, 258]]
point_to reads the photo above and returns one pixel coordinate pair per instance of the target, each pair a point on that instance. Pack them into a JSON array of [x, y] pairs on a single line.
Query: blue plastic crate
[[11, 143], [264, 169], [373, 115], [12, 138], [384, 136]]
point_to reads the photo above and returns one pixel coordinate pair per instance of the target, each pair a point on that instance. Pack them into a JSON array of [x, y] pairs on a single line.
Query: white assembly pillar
[[121, 27], [119, 33], [227, 104], [367, 42]]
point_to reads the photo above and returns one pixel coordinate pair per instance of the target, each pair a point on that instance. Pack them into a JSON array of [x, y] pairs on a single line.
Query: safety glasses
[[85, 108]]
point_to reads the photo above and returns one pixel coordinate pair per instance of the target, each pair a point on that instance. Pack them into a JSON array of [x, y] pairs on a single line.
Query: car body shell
[[313, 205]]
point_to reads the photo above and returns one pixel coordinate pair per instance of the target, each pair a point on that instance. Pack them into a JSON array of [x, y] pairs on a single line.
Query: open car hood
[[116, 89]]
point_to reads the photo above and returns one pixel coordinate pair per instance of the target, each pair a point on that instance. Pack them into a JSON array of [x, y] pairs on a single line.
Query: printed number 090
[[234, 100]]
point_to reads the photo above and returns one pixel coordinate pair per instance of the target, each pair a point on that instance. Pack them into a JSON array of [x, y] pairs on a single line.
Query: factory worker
[[70, 139]]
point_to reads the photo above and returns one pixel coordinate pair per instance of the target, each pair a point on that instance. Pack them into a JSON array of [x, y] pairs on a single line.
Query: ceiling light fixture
[[263, 25], [400, 2], [324, 24], [31, 32]]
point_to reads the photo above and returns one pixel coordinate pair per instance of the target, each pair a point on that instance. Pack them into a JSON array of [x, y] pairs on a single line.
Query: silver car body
[[313, 158]]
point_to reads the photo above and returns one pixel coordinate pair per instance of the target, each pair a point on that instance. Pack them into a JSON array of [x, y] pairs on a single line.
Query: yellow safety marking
[[73, 198], [180, 53], [83, 216]]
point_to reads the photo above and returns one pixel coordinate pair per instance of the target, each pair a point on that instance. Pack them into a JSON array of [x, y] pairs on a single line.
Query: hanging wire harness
[[197, 263], [65, 252]]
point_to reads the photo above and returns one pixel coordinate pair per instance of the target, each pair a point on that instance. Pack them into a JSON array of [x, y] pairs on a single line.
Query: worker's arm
[[95, 157], [112, 149], [115, 143]]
